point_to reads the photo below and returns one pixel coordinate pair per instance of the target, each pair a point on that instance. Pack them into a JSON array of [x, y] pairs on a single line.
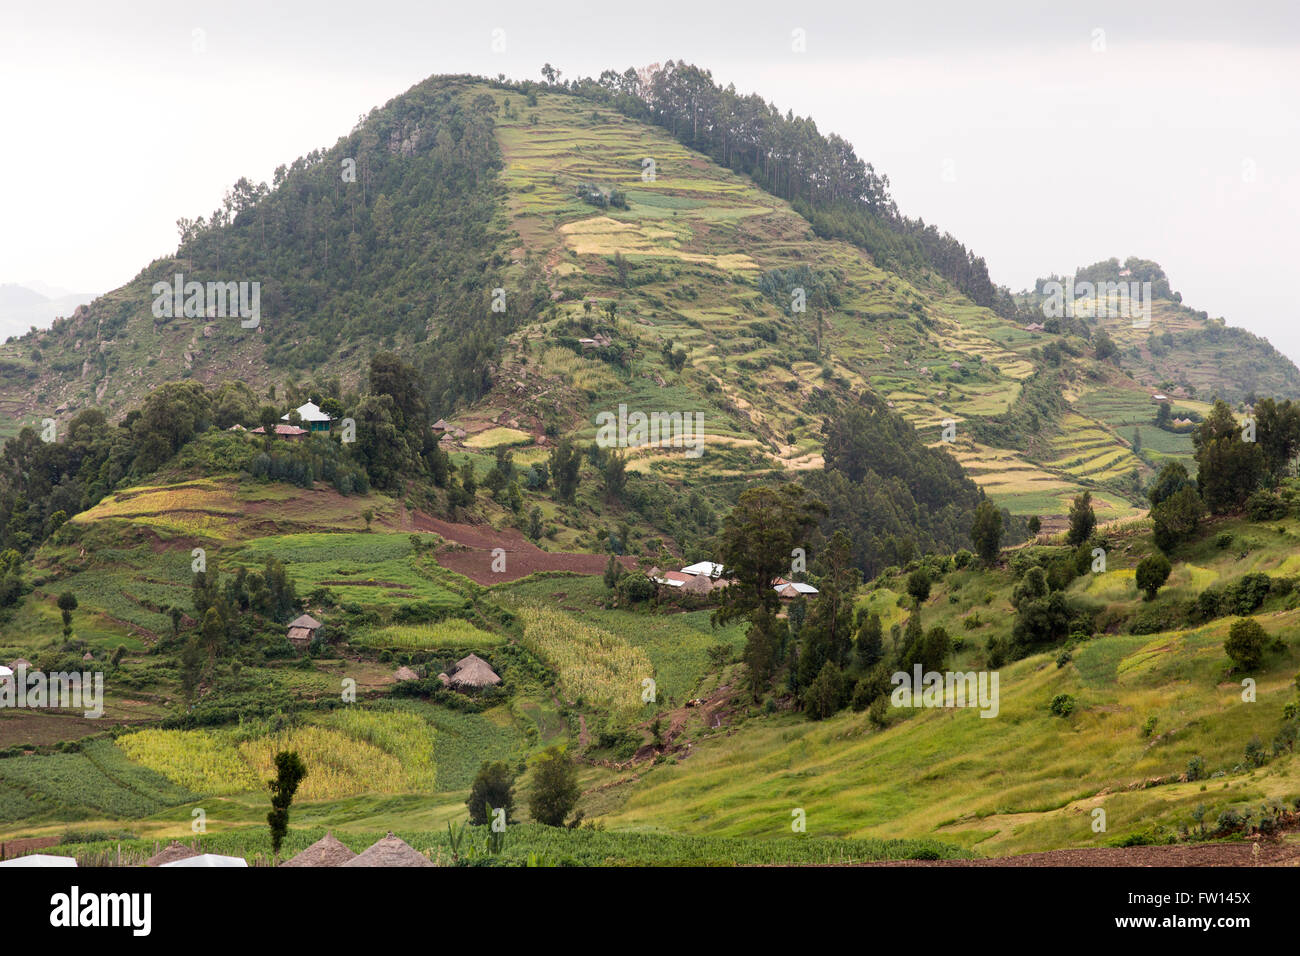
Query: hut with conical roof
[[327, 851], [472, 672], [171, 853], [390, 851]]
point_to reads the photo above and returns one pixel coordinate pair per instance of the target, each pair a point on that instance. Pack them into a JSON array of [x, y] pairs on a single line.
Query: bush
[[634, 587], [1196, 768], [918, 585], [1248, 592], [1062, 705], [1245, 644], [1255, 754], [1152, 572], [1265, 505]]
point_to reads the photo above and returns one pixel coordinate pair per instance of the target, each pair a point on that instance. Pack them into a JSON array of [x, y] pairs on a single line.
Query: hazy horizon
[[1040, 143]]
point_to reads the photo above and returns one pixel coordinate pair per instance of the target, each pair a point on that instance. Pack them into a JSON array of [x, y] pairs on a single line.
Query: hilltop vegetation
[[481, 283]]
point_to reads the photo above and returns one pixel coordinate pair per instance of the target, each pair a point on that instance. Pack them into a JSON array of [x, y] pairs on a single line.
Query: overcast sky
[[1042, 138]]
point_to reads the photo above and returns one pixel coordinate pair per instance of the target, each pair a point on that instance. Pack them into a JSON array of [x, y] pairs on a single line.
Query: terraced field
[[1086, 450], [687, 284]]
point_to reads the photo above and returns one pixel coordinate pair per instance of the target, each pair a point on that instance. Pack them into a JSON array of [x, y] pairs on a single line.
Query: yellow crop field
[[404, 736], [198, 760], [594, 665], [337, 765]]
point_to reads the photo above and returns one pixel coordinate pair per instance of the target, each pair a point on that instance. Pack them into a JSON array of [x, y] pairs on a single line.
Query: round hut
[[390, 851], [327, 851], [171, 853]]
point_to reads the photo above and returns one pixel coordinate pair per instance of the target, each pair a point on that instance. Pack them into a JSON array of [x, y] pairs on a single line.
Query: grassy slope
[[1025, 780]]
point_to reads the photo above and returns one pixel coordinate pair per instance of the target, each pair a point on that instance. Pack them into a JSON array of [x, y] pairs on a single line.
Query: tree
[[1034, 524], [1278, 425], [566, 465], [289, 772], [67, 604], [613, 571], [267, 417], [493, 789], [870, 644], [918, 585], [367, 515], [1229, 467], [1152, 573], [1172, 479], [1105, 346], [1083, 522], [555, 787], [827, 632], [615, 475], [766, 636], [1245, 643], [755, 545], [986, 532], [825, 694], [1176, 518], [213, 630]]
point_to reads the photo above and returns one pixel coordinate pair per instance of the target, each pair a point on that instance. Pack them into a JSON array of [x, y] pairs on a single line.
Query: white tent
[[209, 859], [40, 859]]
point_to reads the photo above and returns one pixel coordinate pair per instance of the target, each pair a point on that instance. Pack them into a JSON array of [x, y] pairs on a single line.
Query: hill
[[711, 295], [483, 285]]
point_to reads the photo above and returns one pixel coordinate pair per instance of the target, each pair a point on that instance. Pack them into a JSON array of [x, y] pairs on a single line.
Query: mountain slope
[[484, 230]]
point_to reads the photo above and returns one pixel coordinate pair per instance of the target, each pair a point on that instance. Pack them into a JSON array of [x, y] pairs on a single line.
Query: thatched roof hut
[[390, 851], [21, 663], [698, 584], [327, 851], [473, 671], [171, 853], [302, 631], [405, 673]]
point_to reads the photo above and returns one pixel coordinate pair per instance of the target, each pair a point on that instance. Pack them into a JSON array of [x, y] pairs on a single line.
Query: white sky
[[1179, 142]]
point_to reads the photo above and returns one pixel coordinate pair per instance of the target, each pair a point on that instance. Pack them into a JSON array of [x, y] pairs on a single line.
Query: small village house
[[287, 432], [302, 631], [312, 417]]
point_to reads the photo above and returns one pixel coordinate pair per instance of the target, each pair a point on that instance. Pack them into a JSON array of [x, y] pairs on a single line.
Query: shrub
[[1265, 505], [1245, 643], [635, 587], [1196, 768], [1256, 756], [1152, 572], [1062, 705], [1248, 592]]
